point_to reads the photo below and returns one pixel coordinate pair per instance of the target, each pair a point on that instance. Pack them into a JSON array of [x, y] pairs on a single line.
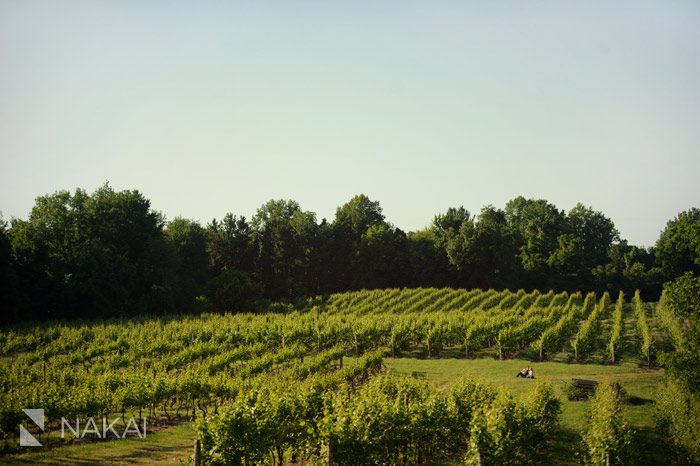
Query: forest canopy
[[109, 253]]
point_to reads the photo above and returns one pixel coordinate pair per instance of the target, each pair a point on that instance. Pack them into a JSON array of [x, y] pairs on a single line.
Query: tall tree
[[188, 241], [8, 291], [230, 244], [429, 263], [352, 221], [536, 225], [484, 250], [85, 255], [682, 296], [446, 226], [678, 247], [284, 236], [629, 268], [358, 214], [383, 256], [586, 243]]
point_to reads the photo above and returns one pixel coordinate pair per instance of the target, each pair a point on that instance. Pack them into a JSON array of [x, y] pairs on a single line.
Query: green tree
[[678, 247], [232, 291], [484, 250], [446, 226], [536, 225], [86, 255], [345, 241], [383, 257], [585, 244], [629, 268], [188, 241], [682, 297], [8, 292], [428, 260], [284, 236], [230, 244], [359, 214]]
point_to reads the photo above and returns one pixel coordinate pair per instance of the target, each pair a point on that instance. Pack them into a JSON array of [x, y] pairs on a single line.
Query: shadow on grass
[[563, 447], [637, 401], [651, 448]]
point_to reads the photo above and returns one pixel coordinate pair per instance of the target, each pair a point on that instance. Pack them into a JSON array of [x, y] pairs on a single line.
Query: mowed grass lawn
[[639, 382]]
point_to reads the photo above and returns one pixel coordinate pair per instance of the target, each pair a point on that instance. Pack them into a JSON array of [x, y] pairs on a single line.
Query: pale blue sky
[[210, 107]]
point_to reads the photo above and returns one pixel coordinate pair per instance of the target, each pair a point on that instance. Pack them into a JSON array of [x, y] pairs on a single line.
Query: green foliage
[[8, 279], [107, 253], [575, 392], [544, 409], [230, 244], [617, 326], [537, 225], [98, 254], [630, 268], [201, 365], [607, 438], [555, 336], [585, 243], [284, 235], [679, 313], [359, 214], [678, 247], [643, 329], [188, 241], [505, 432], [584, 341], [670, 322], [682, 295], [678, 415], [231, 291], [385, 421]]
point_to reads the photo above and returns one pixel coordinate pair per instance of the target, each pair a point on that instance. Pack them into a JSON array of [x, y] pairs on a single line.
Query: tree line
[[110, 253]]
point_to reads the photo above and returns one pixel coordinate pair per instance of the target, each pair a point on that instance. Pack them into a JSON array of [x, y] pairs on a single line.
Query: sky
[[211, 107]]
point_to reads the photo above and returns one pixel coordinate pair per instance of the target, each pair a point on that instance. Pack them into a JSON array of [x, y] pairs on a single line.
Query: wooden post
[[197, 452], [479, 459], [330, 453]]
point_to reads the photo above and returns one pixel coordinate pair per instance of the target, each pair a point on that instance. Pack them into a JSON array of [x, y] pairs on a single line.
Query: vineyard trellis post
[[197, 452], [329, 458]]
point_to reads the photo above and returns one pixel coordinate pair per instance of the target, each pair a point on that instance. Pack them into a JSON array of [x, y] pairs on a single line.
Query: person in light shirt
[[526, 373]]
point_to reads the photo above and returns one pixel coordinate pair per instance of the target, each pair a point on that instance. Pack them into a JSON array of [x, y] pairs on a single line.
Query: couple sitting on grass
[[526, 373]]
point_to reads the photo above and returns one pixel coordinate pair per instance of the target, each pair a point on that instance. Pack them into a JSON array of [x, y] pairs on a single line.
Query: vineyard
[[310, 385]]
